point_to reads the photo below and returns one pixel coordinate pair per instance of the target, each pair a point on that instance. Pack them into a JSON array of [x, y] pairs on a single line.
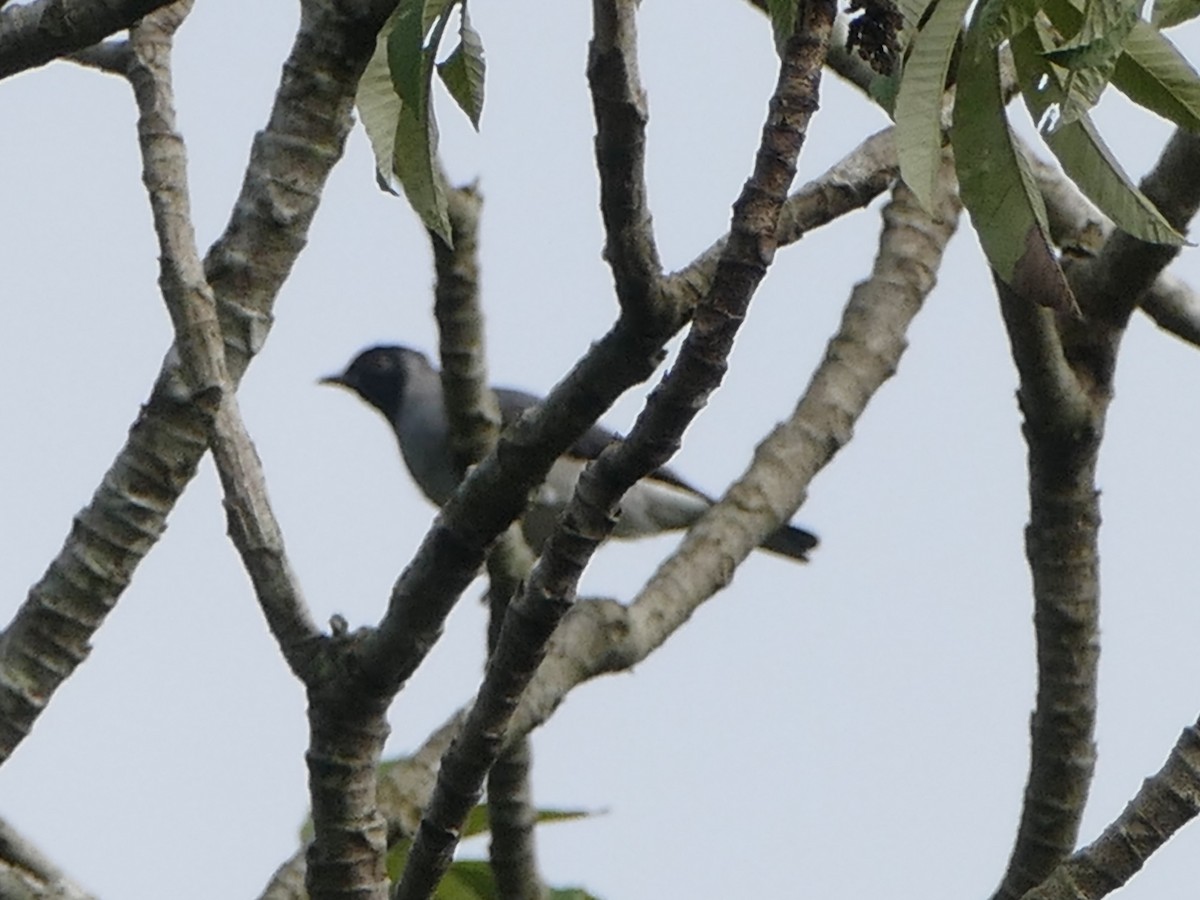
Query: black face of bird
[[378, 375]]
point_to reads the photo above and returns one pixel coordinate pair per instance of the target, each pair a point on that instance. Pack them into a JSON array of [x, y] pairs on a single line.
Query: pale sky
[[854, 728]]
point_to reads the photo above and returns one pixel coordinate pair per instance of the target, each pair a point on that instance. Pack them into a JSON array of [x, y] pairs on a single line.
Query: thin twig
[[471, 409], [619, 103]]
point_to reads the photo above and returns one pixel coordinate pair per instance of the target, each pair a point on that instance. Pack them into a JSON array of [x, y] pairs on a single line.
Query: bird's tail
[[790, 541]]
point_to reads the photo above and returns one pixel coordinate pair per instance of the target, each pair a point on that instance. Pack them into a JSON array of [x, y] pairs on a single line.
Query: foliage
[[394, 100], [472, 879], [1064, 53]]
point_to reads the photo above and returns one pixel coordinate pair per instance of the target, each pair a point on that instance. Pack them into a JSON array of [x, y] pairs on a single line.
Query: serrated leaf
[[996, 185], [463, 71], [1156, 76], [416, 150], [918, 109], [1078, 147], [783, 20], [379, 108], [1169, 13]]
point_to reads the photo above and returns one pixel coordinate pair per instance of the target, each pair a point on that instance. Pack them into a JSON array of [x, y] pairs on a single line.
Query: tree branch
[[33, 34], [1066, 368], [603, 636], [852, 183], [471, 408], [113, 57], [25, 872], [600, 636], [621, 113], [589, 517], [497, 490], [198, 340], [404, 790], [1124, 270], [291, 159], [346, 855], [495, 493], [474, 418], [1168, 800], [1077, 225]]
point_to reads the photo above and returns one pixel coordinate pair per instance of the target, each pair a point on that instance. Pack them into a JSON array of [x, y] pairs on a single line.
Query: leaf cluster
[[1064, 54], [394, 100]]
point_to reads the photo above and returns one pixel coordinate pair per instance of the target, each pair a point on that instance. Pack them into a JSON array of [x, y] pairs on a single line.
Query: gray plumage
[[404, 387]]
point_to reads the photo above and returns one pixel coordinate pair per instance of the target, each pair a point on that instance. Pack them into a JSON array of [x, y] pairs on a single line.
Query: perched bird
[[404, 386]]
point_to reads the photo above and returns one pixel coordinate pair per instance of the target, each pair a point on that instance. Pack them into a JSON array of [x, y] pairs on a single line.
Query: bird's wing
[[589, 445]]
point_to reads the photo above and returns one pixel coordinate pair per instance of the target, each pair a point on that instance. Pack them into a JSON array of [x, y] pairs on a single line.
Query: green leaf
[[915, 12], [571, 893], [548, 816], [783, 20], [477, 821], [1169, 13], [413, 163], [463, 71], [434, 9], [1079, 148], [1097, 40], [397, 858], [414, 149], [468, 879], [884, 89], [408, 59], [996, 185], [379, 107], [918, 109], [998, 20], [1154, 74]]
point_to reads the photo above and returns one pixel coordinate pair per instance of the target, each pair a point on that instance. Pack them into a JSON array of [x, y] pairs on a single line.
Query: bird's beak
[[339, 380]]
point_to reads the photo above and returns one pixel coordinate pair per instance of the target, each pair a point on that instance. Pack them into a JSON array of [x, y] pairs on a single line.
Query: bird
[[405, 387]]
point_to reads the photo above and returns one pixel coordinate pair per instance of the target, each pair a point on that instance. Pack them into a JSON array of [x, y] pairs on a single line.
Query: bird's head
[[380, 375]]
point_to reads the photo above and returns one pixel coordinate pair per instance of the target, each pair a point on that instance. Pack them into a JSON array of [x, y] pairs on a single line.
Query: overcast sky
[[854, 728]]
